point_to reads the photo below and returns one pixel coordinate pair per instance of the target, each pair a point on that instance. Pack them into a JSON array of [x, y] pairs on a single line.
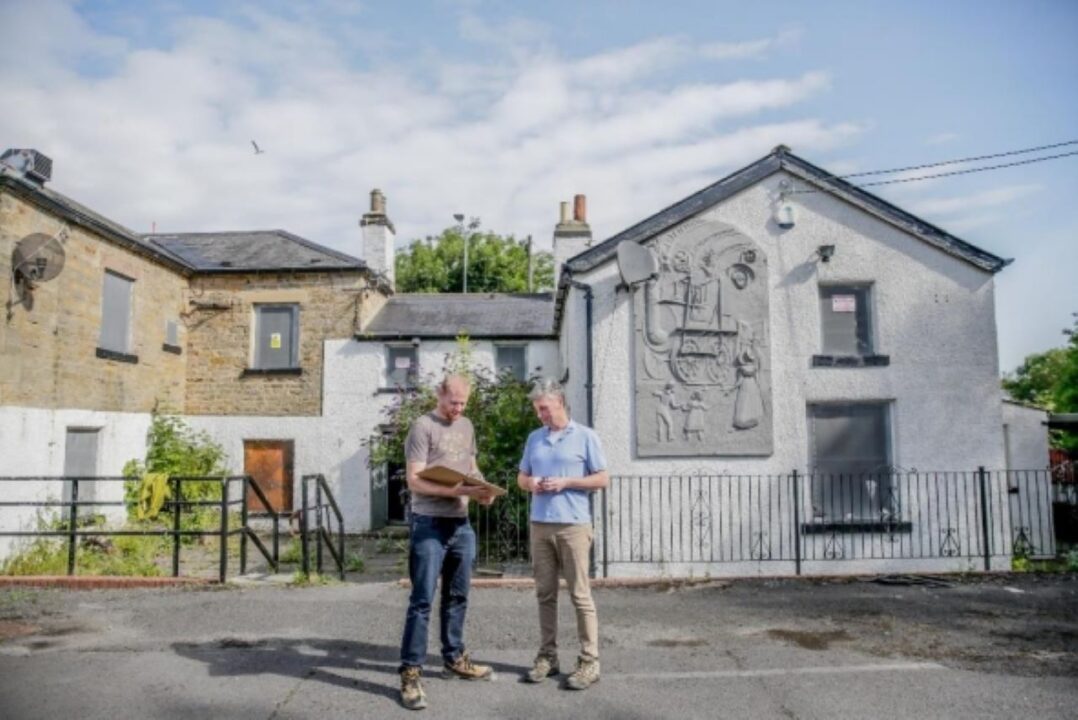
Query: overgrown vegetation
[[173, 449], [503, 417], [1050, 380]]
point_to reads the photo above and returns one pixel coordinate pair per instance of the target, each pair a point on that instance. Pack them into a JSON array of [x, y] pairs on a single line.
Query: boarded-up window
[[402, 365], [845, 320], [116, 313], [851, 458], [172, 333], [276, 337], [511, 359]]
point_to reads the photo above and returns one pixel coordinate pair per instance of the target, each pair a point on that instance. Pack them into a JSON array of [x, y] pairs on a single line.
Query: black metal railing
[[969, 519], [72, 527], [324, 505]]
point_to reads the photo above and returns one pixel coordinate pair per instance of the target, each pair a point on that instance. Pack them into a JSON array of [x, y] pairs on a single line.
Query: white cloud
[[752, 49], [163, 135]]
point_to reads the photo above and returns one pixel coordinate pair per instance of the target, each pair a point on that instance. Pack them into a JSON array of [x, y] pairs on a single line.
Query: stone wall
[[49, 351], [220, 323]]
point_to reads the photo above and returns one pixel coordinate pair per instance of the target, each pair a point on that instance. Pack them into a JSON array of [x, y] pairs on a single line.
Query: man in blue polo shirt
[[563, 463]]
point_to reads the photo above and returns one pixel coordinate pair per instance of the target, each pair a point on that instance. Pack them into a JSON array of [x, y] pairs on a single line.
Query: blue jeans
[[446, 547]]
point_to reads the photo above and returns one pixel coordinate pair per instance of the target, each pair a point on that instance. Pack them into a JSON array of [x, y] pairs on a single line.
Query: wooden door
[[269, 463]]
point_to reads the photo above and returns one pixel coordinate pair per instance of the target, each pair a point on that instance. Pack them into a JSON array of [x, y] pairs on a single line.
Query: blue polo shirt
[[574, 451]]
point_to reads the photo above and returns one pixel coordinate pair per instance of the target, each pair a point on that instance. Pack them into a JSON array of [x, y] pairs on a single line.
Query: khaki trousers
[[561, 550]]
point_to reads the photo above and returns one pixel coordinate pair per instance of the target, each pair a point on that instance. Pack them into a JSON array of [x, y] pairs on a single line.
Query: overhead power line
[[966, 171], [961, 160]]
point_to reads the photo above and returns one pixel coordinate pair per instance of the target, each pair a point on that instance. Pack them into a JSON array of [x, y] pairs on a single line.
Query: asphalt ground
[[980, 647]]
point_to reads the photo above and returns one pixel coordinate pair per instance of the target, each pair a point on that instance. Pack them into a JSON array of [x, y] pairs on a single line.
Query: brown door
[[269, 463]]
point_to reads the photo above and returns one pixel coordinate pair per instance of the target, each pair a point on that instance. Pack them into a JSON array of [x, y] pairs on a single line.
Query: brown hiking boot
[[412, 695], [585, 675], [465, 669], [545, 666]]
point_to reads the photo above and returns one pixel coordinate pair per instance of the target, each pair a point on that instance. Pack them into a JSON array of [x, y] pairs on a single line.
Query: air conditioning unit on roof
[[29, 163]]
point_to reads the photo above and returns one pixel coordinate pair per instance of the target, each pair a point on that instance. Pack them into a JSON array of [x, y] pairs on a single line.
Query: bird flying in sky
[[258, 150]]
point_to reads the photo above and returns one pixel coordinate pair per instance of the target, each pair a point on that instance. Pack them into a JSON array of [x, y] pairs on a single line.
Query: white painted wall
[[1026, 443], [933, 315], [32, 444], [353, 409]]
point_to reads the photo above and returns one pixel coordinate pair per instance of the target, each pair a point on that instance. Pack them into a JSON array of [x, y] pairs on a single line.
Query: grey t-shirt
[[435, 441]]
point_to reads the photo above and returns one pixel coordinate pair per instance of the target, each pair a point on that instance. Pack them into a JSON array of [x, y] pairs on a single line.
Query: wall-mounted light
[[825, 252], [785, 217]]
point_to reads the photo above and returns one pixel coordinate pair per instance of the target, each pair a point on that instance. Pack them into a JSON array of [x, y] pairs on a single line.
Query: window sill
[[396, 390], [846, 361], [174, 349], [271, 372], [849, 527], [117, 356]]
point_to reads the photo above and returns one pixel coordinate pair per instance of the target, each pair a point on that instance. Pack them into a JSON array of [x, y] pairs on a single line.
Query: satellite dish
[[37, 258], [636, 263]]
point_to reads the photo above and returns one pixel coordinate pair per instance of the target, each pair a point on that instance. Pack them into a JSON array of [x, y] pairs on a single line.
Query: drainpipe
[[589, 387]]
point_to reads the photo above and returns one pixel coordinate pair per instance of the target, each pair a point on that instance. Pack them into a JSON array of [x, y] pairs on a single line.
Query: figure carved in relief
[[694, 421], [749, 405], [664, 422]]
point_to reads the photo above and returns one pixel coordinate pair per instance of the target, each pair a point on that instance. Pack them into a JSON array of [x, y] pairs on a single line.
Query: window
[[851, 461], [511, 359], [116, 313], [172, 338], [276, 337], [845, 320], [402, 365]]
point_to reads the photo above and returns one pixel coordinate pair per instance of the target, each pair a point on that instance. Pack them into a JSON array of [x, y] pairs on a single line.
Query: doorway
[[269, 463]]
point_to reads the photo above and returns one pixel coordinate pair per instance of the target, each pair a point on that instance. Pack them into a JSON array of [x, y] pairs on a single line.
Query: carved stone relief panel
[[701, 346]]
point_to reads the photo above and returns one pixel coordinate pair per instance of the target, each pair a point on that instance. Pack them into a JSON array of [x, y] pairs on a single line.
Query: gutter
[[589, 387]]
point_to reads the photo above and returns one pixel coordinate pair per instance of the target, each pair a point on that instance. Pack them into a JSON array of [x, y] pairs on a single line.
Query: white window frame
[[412, 376], [512, 345]]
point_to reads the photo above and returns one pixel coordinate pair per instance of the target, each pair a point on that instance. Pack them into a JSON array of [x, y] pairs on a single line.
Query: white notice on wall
[[843, 303], [402, 363]]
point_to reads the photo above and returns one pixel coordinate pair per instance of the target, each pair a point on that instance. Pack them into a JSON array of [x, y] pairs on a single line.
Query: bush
[[175, 449]]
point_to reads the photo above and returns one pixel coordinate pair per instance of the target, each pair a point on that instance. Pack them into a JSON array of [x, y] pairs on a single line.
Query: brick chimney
[[379, 236], [572, 235]]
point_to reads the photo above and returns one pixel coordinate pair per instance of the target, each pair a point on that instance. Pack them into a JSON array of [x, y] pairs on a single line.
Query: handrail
[[69, 527], [322, 533]]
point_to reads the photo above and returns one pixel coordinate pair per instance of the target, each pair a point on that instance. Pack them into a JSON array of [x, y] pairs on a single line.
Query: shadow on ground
[[328, 661]]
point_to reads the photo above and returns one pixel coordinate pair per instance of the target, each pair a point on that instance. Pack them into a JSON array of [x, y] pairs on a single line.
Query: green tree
[[1050, 380], [496, 263]]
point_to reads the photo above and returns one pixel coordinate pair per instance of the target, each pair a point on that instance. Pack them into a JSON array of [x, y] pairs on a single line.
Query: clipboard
[[450, 477]]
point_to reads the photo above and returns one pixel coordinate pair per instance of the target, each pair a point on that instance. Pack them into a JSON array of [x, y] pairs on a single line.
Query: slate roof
[[476, 315], [252, 251], [78, 214], [782, 159], [189, 253]]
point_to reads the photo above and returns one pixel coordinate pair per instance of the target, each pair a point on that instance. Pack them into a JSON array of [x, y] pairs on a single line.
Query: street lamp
[[459, 217]]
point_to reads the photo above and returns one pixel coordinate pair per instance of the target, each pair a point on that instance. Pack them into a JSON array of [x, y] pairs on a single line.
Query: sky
[[500, 110]]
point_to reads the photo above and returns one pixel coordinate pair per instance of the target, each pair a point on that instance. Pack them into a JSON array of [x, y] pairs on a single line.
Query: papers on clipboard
[[447, 476]]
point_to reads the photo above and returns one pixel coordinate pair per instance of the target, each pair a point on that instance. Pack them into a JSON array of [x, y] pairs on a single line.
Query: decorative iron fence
[[969, 520]]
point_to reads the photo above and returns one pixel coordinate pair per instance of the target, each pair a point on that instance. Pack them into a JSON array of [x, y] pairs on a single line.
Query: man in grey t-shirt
[[442, 543]]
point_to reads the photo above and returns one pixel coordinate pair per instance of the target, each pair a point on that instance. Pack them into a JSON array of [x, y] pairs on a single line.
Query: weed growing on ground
[[355, 563]]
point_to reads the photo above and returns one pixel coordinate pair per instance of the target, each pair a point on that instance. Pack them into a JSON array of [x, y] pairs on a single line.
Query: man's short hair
[[548, 387], [443, 386]]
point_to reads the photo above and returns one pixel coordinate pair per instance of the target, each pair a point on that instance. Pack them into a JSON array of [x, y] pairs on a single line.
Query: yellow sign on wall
[[275, 341]]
